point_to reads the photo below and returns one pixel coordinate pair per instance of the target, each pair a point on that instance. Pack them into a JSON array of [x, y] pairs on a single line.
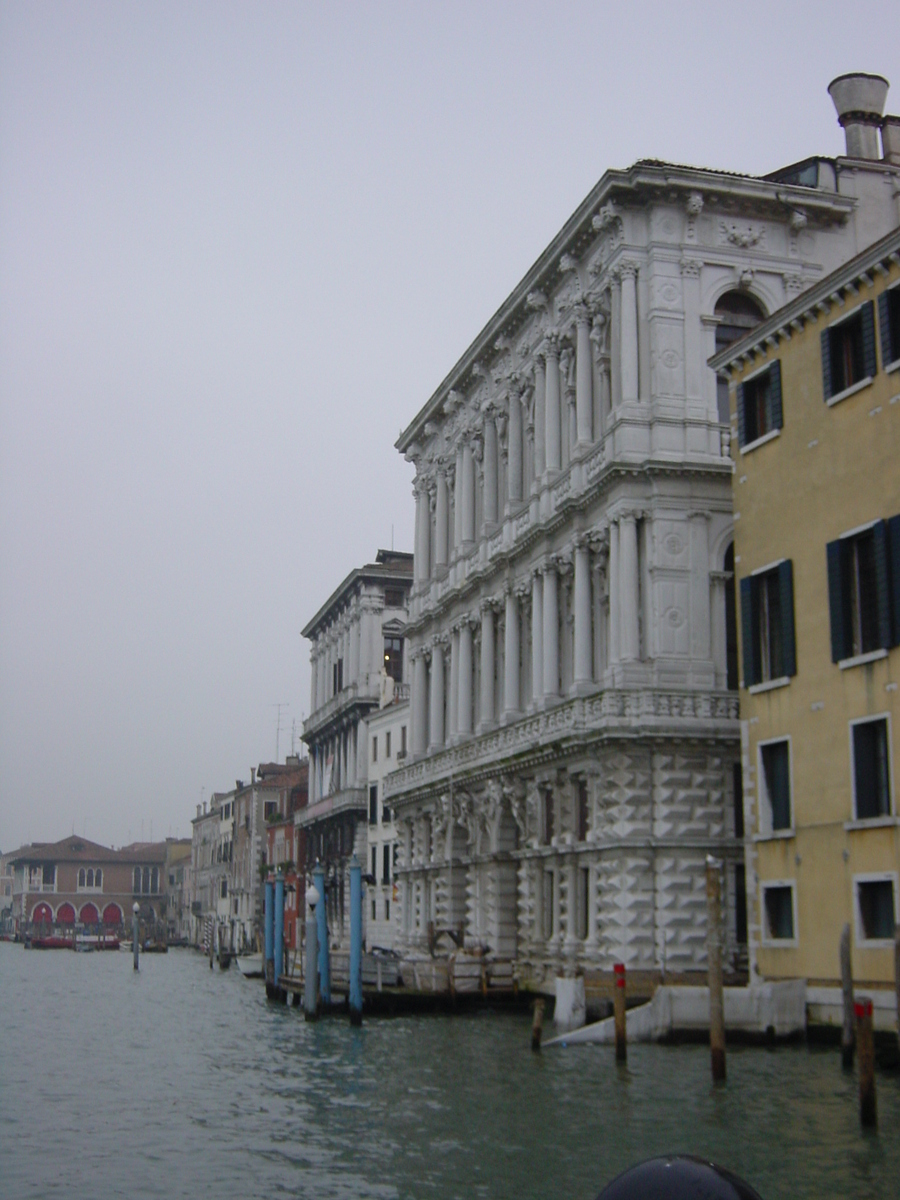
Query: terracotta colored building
[[74, 881]]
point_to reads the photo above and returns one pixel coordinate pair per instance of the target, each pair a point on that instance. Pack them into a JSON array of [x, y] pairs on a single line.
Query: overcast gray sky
[[240, 245]]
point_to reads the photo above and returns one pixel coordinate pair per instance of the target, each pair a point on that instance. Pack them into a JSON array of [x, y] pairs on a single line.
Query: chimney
[[198, 810], [859, 100], [890, 140], [253, 774]]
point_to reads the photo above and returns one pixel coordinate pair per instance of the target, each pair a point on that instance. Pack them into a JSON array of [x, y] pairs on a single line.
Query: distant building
[[178, 888], [57, 885], [358, 663], [571, 636], [816, 411], [285, 842], [387, 730]]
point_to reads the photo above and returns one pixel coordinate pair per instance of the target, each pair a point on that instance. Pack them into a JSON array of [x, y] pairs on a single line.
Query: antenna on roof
[[282, 704]]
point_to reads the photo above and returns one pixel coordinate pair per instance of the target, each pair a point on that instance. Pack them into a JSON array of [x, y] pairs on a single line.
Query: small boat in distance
[[250, 965]]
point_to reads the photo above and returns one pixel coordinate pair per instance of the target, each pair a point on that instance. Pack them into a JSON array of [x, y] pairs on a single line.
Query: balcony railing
[[347, 800]]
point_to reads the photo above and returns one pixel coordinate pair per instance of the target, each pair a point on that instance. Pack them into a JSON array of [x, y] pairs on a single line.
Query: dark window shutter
[[742, 424], [882, 584], [788, 645], [826, 363], [893, 553], [747, 625], [888, 351], [868, 338], [777, 417], [839, 640]]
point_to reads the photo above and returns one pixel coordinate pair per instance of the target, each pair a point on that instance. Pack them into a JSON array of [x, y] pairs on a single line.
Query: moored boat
[[250, 965]]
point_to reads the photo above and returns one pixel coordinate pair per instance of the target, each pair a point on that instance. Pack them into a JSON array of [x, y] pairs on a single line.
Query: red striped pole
[[619, 1010]]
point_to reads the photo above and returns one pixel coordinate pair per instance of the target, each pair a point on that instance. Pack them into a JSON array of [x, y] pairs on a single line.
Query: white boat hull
[[250, 965]]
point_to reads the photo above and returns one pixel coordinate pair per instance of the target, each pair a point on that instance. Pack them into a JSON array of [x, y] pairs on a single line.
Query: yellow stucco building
[[815, 409]]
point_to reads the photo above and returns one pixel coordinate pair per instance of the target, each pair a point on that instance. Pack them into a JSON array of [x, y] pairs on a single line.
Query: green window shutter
[[868, 338], [776, 416], [742, 424], [751, 675], [839, 639], [788, 645], [893, 547], [888, 351], [826, 363], [882, 584]]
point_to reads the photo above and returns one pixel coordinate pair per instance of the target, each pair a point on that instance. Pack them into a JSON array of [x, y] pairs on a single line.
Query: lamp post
[[311, 979], [135, 932]]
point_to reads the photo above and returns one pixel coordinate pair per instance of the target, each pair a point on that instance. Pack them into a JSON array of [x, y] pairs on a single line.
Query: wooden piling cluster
[[714, 949], [619, 1013], [865, 1045]]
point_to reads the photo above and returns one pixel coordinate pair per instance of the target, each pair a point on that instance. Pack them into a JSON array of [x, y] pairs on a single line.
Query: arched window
[[738, 313], [137, 881], [90, 877], [98, 878], [154, 885], [146, 881], [81, 878]]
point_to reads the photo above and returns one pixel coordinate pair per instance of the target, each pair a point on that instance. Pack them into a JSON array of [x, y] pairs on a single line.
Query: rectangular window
[[767, 624], [337, 676], [373, 804], [374, 749], [871, 769], [582, 810], [393, 598], [387, 744], [889, 326], [374, 860], [583, 898], [864, 590], [48, 876], [737, 776], [385, 864], [547, 905], [373, 908], [393, 658], [740, 904], [775, 786], [387, 909], [402, 753], [778, 912], [848, 351], [549, 825], [224, 888], [385, 815], [759, 409], [876, 908]]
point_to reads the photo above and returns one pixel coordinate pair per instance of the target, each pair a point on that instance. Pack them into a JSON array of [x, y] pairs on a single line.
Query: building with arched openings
[[574, 720]]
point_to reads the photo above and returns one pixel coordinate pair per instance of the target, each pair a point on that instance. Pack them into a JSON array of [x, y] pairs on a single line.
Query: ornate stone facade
[[574, 738]]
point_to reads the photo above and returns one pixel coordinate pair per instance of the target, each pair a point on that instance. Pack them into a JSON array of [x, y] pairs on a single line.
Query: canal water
[[184, 1082]]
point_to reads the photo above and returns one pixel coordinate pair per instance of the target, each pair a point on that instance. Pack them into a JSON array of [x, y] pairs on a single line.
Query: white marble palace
[[575, 744]]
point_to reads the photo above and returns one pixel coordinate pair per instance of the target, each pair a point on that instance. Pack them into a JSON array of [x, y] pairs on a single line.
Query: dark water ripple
[[182, 1082]]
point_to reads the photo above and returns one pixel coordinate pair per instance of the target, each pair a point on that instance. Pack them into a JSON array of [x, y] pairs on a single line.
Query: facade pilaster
[[537, 637], [441, 518], [628, 330], [457, 499], [584, 400], [551, 404], [614, 622], [487, 666], [551, 631], [514, 472], [418, 704], [454, 683], [582, 670], [468, 493], [511, 656], [629, 643], [490, 471], [540, 420], [464, 699], [436, 697]]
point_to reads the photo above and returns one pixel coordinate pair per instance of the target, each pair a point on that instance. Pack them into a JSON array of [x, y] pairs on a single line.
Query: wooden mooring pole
[[619, 1013], [714, 959], [865, 1044], [537, 1024], [847, 1034]]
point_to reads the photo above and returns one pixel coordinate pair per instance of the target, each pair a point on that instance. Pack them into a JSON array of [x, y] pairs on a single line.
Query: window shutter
[[747, 623], [839, 639], [868, 338], [777, 418], [888, 351], [893, 549], [826, 363], [786, 588], [742, 424], [882, 584]]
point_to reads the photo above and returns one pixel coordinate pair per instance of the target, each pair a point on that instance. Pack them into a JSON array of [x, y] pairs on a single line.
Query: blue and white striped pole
[[356, 1000], [322, 931]]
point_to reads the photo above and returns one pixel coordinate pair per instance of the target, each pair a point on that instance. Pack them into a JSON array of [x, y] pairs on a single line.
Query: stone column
[[537, 637], [514, 474], [551, 632], [539, 418], [464, 701], [614, 592], [487, 666], [694, 366], [423, 529], [629, 332], [457, 499], [629, 642], [490, 471], [551, 404], [436, 705], [313, 682], [418, 705], [511, 656], [468, 493], [441, 518], [354, 648], [312, 777], [582, 602], [584, 399], [454, 683]]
